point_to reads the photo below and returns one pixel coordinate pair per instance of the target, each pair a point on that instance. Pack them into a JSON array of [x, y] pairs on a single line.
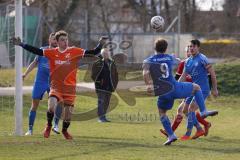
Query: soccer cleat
[[198, 134], [47, 131], [208, 113], [67, 135], [163, 132], [103, 120], [171, 139], [55, 129], [206, 128], [185, 138], [29, 133], [106, 120]]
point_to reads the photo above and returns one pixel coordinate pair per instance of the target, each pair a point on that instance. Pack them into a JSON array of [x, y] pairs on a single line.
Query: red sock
[[177, 121], [201, 120]]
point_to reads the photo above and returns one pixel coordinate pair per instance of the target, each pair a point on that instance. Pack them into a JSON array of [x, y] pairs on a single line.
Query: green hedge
[[228, 77], [221, 50]]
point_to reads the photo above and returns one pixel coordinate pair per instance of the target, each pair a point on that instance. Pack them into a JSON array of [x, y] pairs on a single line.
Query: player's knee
[[34, 108], [191, 109], [196, 87], [185, 111], [162, 113], [67, 119], [51, 105], [52, 102], [194, 106]]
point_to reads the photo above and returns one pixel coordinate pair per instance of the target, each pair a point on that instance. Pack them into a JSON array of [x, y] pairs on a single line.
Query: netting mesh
[[32, 35]]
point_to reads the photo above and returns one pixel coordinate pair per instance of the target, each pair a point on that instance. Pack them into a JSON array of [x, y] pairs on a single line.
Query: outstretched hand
[[214, 92], [24, 76], [103, 40], [15, 41]]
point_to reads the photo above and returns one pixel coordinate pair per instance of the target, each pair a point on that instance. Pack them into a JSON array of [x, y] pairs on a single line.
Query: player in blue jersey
[[183, 107], [41, 85], [198, 67], [157, 74]]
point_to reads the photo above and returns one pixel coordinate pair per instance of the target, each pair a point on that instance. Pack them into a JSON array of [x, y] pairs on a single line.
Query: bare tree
[[168, 15], [188, 10], [108, 19], [5, 1], [230, 9], [146, 9], [57, 14]]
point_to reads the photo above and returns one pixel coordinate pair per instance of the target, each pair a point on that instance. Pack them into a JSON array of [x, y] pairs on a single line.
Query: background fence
[[32, 33]]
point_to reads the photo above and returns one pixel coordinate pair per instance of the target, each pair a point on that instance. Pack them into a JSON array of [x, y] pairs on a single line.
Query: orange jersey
[[63, 69]]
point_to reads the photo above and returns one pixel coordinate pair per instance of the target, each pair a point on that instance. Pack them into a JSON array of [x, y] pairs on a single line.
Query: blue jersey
[[160, 67], [42, 75], [165, 85], [41, 84], [196, 67]]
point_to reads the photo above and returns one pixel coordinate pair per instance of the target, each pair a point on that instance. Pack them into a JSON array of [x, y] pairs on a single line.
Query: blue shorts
[[191, 98], [39, 89], [181, 90]]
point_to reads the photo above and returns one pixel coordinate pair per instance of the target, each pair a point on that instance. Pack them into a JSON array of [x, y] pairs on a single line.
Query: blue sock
[[56, 121], [57, 116], [190, 123], [166, 125], [200, 100], [31, 117]]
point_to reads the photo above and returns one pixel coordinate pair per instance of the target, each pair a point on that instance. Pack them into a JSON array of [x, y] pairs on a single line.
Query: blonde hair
[[60, 33]]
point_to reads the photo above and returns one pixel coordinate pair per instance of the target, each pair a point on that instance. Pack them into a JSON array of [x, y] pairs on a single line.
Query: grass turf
[[133, 134]]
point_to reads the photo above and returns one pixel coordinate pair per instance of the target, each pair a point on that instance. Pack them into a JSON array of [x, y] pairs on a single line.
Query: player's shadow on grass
[[222, 145], [101, 145], [216, 139], [117, 142], [93, 145], [223, 149]]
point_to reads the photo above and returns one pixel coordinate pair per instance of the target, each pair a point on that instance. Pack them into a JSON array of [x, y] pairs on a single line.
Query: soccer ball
[[157, 22]]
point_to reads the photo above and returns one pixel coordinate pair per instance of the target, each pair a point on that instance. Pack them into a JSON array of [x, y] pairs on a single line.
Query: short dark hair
[[161, 45], [196, 42], [60, 33]]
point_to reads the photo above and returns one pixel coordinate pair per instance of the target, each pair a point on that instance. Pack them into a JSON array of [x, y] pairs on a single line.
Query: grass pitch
[[133, 134]]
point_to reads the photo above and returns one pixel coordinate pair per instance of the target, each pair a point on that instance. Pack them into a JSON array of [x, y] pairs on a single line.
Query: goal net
[[31, 35]]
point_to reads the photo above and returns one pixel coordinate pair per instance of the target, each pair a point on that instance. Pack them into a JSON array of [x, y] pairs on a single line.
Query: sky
[[205, 5]]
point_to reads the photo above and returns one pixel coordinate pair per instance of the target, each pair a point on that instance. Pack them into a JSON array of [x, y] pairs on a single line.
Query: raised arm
[[30, 68], [17, 41], [97, 50]]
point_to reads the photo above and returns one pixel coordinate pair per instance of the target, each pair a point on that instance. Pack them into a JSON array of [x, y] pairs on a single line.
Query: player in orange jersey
[[63, 62]]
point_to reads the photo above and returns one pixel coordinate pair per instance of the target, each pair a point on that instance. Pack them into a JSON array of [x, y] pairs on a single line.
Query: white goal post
[[18, 68]]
